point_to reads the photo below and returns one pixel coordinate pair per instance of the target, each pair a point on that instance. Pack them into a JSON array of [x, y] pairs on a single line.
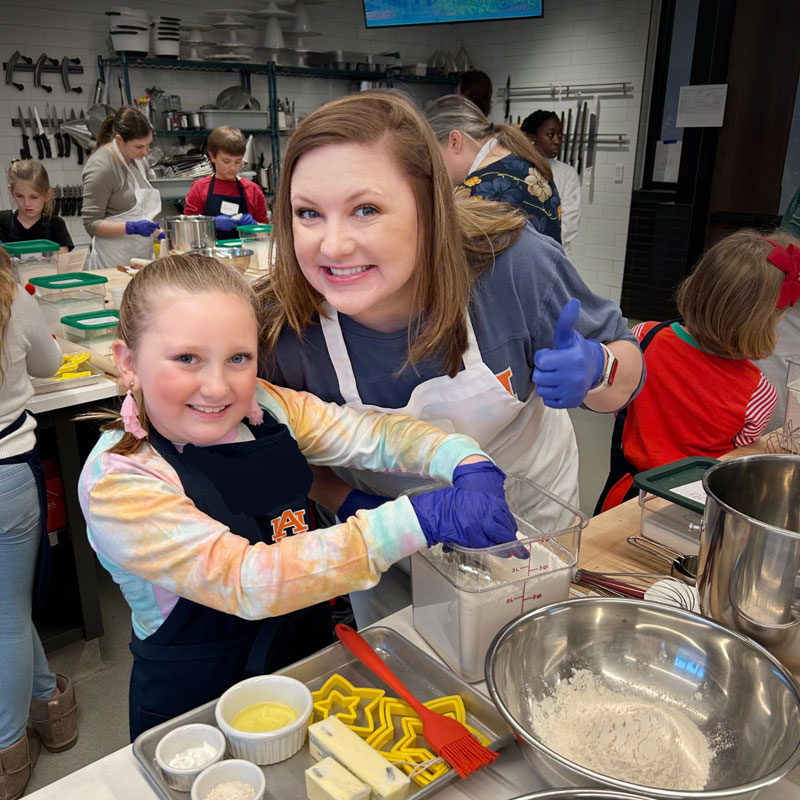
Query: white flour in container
[[193, 757], [625, 736], [460, 623]]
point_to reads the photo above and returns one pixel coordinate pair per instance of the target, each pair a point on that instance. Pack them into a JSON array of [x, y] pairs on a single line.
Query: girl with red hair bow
[[703, 396]]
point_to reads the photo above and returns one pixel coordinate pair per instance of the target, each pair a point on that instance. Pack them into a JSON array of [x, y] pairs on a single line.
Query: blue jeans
[[24, 671]]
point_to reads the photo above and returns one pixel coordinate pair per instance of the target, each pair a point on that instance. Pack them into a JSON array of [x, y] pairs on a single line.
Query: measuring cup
[[682, 567]]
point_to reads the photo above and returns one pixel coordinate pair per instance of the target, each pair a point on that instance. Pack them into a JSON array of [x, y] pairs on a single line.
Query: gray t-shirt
[[108, 189], [515, 305]]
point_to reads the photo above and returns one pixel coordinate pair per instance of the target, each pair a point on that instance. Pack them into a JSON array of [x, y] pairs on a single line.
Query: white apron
[[110, 251], [524, 438], [482, 153]]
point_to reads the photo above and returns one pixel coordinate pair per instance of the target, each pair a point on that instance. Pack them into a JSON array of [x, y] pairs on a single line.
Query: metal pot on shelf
[[749, 564], [187, 232]]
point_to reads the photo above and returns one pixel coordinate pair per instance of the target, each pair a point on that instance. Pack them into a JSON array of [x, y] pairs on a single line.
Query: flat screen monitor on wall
[[388, 13]]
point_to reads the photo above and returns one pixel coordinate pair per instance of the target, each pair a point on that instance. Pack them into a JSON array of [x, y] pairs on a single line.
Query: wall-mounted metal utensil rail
[[566, 91]]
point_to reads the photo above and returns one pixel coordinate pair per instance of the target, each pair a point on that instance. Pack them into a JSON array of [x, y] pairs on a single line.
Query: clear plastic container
[[257, 238], [33, 258], [67, 294], [670, 524], [791, 421], [463, 597], [92, 328]]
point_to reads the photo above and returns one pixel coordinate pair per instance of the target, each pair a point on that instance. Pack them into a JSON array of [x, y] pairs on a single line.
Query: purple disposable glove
[[482, 476], [564, 375], [357, 500], [464, 517], [246, 219], [225, 222], [142, 227]]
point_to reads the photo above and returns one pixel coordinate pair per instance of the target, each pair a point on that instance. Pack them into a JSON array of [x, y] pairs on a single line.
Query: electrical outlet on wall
[[618, 173]]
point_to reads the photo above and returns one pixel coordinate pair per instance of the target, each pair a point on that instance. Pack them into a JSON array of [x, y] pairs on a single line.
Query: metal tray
[[45, 385], [425, 677]]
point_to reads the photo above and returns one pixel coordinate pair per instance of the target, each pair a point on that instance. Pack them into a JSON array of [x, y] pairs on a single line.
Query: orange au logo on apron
[[289, 520], [505, 379]]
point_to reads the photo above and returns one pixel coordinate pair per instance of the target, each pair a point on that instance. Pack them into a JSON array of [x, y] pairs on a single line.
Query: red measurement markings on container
[[524, 598]]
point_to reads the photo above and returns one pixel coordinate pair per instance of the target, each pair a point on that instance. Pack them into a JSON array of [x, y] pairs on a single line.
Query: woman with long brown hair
[[119, 202], [495, 162], [28, 689], [389, 293]]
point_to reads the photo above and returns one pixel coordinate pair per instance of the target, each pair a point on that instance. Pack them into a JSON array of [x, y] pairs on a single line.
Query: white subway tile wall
[[577, 41]]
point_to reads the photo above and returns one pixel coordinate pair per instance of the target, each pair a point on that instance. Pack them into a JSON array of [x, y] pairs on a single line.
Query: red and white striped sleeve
[[758, 413], [638, 330]]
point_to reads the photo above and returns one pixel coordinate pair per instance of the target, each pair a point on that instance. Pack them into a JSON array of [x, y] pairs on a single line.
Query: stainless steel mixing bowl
[[237, 257], [580, 794], [731, 687]]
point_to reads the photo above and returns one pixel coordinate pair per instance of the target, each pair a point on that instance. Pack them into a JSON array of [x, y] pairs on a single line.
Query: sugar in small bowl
[[230, 780], [265, 746], [186, 751]]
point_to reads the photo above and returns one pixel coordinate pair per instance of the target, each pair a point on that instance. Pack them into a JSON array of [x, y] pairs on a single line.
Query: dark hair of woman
[[477, 87], [534, 121], [127, 122]]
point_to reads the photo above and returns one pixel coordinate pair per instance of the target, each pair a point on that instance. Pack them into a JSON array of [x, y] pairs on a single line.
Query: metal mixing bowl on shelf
[[739, 696], [237, 257]]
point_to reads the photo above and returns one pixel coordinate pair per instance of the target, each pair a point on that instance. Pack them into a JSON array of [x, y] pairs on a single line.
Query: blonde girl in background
[[29, 187], [703, 395], [28, 688], [196, 497]]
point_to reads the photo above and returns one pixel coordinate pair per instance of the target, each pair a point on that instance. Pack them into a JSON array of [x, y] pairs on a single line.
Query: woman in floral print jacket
[[495, 162]]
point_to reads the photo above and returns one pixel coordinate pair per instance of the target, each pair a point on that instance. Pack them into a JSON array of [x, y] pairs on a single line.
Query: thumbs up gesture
[[564, 375]]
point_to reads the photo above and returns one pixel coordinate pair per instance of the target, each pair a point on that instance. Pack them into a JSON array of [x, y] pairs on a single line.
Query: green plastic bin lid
[[230, 243], [31, 246], [68, 280], [260, 228], [92, 320], [662, 480]]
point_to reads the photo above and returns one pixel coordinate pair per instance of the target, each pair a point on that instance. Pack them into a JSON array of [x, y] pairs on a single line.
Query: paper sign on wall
[[702, 106]]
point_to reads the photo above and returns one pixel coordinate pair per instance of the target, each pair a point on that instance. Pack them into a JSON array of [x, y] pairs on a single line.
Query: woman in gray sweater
[[119, 203]]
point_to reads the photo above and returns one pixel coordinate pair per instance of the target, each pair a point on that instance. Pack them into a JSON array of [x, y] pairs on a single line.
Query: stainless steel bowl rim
[[740, 514], [188, 217], [579, 793], [223, 252], [634, 788]]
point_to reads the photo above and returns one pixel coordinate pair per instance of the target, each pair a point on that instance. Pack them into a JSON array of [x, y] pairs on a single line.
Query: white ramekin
[[181, 739], [268, 747], [232, 770]]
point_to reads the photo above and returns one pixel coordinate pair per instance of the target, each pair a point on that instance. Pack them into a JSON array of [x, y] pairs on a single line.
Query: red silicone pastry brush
[[447, 737]]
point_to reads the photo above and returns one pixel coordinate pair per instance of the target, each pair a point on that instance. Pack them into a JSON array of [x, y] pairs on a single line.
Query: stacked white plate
[[166, 37], [130, 30]]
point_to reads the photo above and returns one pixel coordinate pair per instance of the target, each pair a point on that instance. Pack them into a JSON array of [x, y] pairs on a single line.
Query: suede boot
[[16, 765], [56, 720]]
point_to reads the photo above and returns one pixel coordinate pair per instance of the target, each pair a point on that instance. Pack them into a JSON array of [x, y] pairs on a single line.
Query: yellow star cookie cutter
[[347, 704], [362, 701]]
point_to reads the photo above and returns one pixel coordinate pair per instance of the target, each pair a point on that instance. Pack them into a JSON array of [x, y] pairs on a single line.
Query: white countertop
[[63, 398], [118, 776]]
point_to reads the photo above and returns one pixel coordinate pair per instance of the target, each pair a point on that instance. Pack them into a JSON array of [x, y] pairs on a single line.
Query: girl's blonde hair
[[455, 240], [455, 113], [33, 171], [728, 303], [8, 291], [187, 274]]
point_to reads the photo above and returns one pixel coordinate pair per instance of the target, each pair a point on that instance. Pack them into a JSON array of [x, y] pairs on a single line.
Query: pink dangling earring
[[130, 416], [255, 414]]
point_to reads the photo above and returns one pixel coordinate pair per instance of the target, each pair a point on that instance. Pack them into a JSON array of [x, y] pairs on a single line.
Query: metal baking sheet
[[424, 676], [45, 385]]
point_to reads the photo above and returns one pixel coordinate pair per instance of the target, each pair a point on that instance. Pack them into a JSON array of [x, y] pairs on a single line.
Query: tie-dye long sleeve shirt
[[159, 546]]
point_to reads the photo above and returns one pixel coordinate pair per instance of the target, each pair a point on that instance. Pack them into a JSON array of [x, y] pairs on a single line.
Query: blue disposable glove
[[225, 223], [357, 500], [564, 375], [482, 476], [463, 517], [247, 219], [142, 227]]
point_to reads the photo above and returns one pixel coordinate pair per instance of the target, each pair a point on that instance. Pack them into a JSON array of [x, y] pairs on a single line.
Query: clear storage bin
[[791, 420], [670, 524], [92, 328], [33, 258], [463, 597], [67, 294], [258, 239]]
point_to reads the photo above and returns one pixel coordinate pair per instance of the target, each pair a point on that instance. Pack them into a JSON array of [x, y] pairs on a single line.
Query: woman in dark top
[[29, 186], [495, 162]]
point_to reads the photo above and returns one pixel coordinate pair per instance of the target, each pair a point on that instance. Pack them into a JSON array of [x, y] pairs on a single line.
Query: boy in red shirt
[[223, 195]]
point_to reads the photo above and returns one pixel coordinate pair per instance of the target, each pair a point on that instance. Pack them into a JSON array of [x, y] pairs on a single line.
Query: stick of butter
[[329, 780], [332, 738]]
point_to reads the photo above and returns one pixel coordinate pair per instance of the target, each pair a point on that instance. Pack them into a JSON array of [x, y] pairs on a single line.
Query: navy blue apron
[[214, 203], [620, 466], [14, 233], [199, 652], [31, 458]]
